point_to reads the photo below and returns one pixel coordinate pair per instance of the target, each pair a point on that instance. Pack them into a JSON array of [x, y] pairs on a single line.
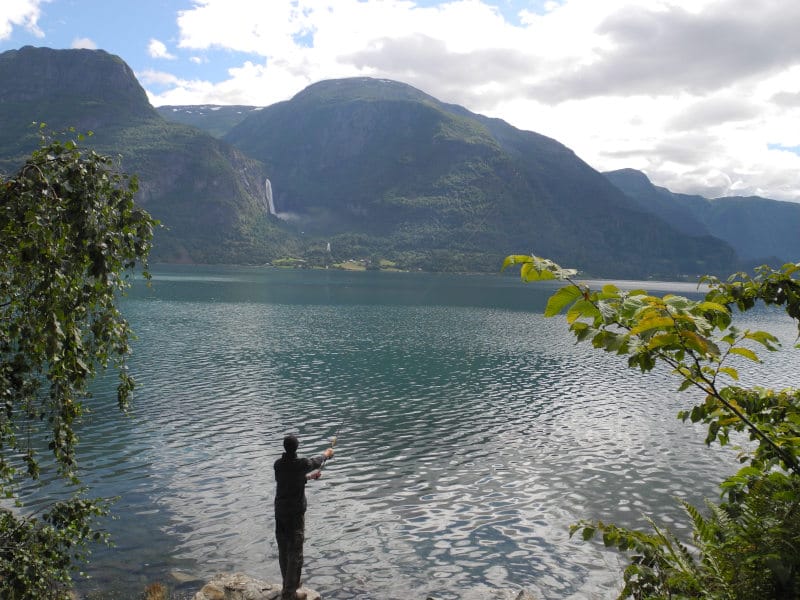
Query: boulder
[[238, 586], [500, 594]]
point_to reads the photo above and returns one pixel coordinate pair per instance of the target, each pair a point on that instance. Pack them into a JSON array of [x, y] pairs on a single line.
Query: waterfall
[[268, 194]]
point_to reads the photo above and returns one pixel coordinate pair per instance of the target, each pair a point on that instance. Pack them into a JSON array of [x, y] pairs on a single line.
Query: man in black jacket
[[291, 474]]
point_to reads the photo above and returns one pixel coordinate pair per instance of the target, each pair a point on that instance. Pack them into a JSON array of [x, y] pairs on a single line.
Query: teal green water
[[471, 432]]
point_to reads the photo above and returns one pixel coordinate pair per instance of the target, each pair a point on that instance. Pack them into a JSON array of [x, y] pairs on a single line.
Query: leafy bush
[[748, 546], [70, 235]]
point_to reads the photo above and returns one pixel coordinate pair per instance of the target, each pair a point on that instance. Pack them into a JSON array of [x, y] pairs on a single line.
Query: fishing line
[[335, 437]]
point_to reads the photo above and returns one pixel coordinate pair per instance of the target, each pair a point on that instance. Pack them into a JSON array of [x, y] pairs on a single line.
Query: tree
[[70, 237], [748, 545]]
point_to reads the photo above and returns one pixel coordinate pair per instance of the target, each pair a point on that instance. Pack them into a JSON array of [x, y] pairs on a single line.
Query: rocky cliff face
[[66, 81], [208, 195], [93, 74]]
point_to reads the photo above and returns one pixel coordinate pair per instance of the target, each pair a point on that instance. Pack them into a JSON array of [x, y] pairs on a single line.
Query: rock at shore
[[502, 594], [238, 586]]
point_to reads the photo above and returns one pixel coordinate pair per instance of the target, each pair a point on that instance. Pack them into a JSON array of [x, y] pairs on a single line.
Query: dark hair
[[290, 444]]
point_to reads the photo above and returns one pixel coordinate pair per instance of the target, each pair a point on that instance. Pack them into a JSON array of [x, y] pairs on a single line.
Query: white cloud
[[157, 49], [20, 13], [86, 43], [694, 92], [714, 111], [248, 85], [673, 50], [251, 26], [159, 78]]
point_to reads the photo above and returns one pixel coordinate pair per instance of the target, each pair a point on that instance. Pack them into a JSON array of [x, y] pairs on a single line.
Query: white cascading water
[[268, 194]]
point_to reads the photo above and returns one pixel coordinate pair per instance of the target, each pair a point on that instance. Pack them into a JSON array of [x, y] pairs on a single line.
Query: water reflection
[[472, 432]]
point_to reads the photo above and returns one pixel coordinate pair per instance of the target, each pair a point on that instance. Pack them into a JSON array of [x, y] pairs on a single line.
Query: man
[[291, 474]]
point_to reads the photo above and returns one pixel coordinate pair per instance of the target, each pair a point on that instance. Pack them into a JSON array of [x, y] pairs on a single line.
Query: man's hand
[[328, 453], [314, 475]]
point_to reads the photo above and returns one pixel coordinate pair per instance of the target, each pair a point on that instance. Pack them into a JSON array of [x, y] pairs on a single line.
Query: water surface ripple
[[472, 431]]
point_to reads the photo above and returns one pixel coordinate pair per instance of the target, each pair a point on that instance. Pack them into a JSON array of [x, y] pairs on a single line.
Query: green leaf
[[651, 323], [559, 300], [515, 259], [610, 538], [536, 268], [746, 352], [678, 302], [698, 343], [764, 338], [749, 472], [712, 307], [529, 272], [610, 290], [582, 308], [662, 340], [581, 330]]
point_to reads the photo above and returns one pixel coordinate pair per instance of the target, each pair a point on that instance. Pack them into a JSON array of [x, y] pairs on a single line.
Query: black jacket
[[290, 475]]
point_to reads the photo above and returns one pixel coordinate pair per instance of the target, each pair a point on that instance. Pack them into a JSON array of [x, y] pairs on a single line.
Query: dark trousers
[[290, 533]]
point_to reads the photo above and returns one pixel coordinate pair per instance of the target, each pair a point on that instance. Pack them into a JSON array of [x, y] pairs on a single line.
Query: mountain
[[216, 120], [85, 89], [358, 168], [759, 229], [379, 167], [208, 195]]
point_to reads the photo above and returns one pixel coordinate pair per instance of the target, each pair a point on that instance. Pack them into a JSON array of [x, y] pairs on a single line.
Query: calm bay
[[472, 432]]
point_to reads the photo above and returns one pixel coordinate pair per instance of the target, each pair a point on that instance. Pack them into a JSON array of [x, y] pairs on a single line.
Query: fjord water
[[471, 432]]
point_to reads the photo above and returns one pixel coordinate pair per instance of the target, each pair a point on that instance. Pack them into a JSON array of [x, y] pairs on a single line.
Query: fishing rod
[[318, 473], [326, 459]]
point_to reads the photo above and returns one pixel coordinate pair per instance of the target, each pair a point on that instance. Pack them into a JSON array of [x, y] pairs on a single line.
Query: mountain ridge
[[760, 229], [428, 174], [369, 168], [208, 195], [213, 118]]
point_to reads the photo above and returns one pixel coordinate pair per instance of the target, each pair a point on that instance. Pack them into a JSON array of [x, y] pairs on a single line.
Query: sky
[[701, 95]]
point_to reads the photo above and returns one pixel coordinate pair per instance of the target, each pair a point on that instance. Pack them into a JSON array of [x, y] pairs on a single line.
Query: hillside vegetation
[[372, 170], [759, 229], [378, 167], [208, 195]]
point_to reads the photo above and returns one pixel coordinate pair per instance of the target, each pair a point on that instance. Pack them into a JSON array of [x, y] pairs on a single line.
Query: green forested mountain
[[208, 195], [216, 120], [759, 229], [376, 166]]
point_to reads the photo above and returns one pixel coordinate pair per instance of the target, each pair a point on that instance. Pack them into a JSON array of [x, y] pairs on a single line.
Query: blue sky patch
[[795, 149]]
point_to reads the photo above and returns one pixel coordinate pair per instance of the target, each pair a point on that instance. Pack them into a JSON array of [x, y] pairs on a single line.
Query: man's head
[[290, 444]]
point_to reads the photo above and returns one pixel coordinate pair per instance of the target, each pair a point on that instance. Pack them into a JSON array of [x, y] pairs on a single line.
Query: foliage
[[749, 544], [209, 196], [71, 234], [36, 555]]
